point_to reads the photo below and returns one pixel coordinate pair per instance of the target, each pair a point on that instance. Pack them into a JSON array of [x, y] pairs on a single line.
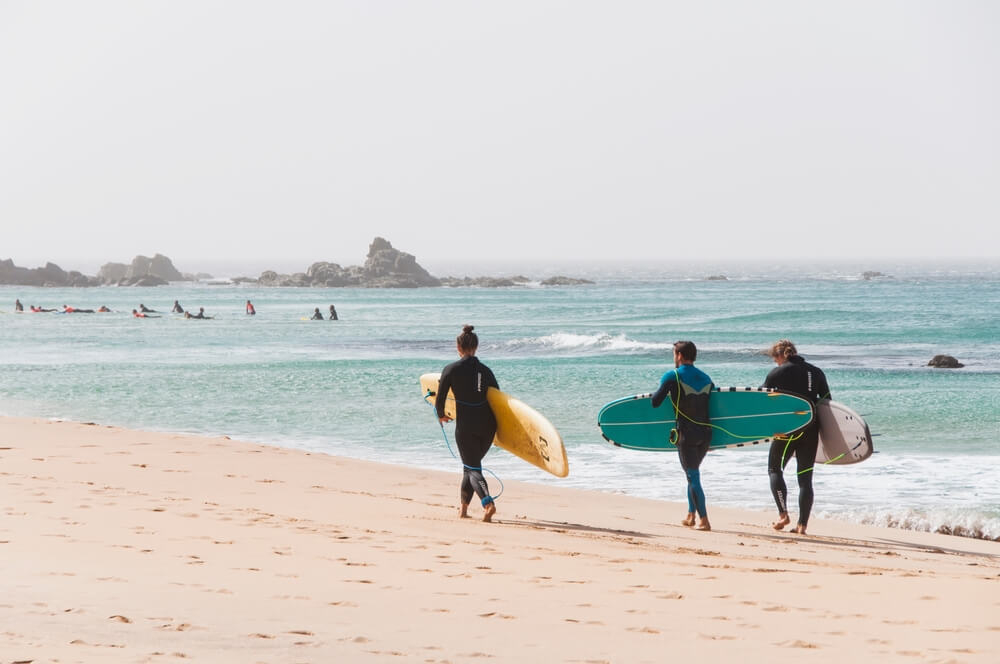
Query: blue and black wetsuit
[[798, 377], [688, 389], [475, 425]]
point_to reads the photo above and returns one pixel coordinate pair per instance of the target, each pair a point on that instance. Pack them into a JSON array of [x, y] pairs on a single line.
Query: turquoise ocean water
[[350, 387]]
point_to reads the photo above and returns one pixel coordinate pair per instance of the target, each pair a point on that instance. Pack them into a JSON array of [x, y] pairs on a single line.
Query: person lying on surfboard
[[688, 389], [793, 374], [475, 424]]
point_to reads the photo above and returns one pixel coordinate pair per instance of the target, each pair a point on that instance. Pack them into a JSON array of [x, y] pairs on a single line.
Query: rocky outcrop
[[565, 281], [112, 273], [155, 271], [868, 275], [716, 277], [945, 362], [385, 267], [49, 275], [143, 271]]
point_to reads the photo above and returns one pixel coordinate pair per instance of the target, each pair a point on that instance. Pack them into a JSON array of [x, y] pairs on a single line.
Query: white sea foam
[[570, 343]]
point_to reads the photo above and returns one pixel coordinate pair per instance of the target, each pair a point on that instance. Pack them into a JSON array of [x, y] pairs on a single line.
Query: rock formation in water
[[50, 275], [945, 362], [143, 271], [385, 267]]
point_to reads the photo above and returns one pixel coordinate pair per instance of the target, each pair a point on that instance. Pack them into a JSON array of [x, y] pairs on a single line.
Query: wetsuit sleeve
[[822, 387], [491, 380], [444, 384], [667, 388], [770, 380]]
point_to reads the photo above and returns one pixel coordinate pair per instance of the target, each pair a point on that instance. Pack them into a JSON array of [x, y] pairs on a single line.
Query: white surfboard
[[843, 435]]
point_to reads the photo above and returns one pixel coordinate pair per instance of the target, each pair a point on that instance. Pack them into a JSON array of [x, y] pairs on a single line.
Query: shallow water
[[350, 387]]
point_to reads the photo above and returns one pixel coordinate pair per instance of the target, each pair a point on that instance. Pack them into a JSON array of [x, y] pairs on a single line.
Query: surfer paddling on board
[[793, 374], [475, 424], [688, 389]]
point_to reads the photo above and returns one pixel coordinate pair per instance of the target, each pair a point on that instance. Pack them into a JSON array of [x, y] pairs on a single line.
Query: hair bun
[[468, 328]]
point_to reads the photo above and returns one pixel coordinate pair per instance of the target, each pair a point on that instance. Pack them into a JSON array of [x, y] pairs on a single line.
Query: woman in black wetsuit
[[475, 424], [793, 374]]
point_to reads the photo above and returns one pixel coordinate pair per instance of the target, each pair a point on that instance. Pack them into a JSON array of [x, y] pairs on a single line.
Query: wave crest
[[570, 343]]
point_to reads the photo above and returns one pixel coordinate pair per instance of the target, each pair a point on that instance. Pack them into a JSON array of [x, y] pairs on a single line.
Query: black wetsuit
[[689, 390], [475, 424], [805, 380]]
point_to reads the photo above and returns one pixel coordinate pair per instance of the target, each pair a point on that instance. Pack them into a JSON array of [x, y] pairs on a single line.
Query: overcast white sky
[[285, 132]]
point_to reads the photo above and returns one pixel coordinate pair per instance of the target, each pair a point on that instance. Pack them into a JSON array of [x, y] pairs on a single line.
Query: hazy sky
[[298, 131]]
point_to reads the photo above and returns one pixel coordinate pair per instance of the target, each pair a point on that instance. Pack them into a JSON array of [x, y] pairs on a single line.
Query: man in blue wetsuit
[[688, 389], [793, 374], [475, 424]]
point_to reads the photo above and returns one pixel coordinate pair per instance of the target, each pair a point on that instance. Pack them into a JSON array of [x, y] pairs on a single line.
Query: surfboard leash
[[452, 452], [680, 413]]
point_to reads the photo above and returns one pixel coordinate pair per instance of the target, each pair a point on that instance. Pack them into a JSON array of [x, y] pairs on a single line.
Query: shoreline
[[135, 546]]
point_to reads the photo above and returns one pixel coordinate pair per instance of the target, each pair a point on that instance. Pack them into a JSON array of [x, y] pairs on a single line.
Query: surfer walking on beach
[[475, 423], [688, 389], [793, 374]]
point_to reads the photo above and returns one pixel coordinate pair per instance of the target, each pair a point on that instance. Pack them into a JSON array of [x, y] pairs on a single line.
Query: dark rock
[[717, 277], [868, 275], [112, 273], [50, 275], [157, 266], [565, 281], [385, 267], [945, 362]]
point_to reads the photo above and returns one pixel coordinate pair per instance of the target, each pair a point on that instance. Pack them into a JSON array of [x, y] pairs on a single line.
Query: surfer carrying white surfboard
[[793, 374], [688, 389], [475, 424]]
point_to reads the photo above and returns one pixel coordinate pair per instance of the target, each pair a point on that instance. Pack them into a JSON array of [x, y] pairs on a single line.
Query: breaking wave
[[567, 343]]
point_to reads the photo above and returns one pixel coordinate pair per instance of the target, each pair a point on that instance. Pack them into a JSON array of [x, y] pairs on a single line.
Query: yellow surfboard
[[521, 430]]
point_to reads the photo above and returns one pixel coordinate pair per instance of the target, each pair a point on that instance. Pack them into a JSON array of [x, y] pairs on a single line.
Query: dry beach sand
[[128, 546]]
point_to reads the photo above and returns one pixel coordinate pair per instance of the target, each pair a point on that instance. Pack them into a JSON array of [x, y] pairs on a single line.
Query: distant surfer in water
[[20, 307], [475, 424], [139, 314], [688, 389], [146, 310], [250, 310], [200, 315], [333, 313], [74, 310], [316, 315], [178, 309], [793, 374]]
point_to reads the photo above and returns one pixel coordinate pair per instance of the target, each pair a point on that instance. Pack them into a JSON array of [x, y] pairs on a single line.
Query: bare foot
[[703, 524], [463, 511], [782, 521], [800, 529], [491, 509], [688, 520]]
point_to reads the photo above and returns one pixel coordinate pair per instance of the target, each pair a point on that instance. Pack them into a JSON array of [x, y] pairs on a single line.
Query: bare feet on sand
[[799, 529], [491, 509], [463, 511], [782, 521], [703, 524], [688, 520]]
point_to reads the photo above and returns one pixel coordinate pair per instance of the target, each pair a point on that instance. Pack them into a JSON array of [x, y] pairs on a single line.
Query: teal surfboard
[[739, 416]]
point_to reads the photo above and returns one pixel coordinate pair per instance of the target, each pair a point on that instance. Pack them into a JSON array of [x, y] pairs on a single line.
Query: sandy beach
[[129, 546]]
